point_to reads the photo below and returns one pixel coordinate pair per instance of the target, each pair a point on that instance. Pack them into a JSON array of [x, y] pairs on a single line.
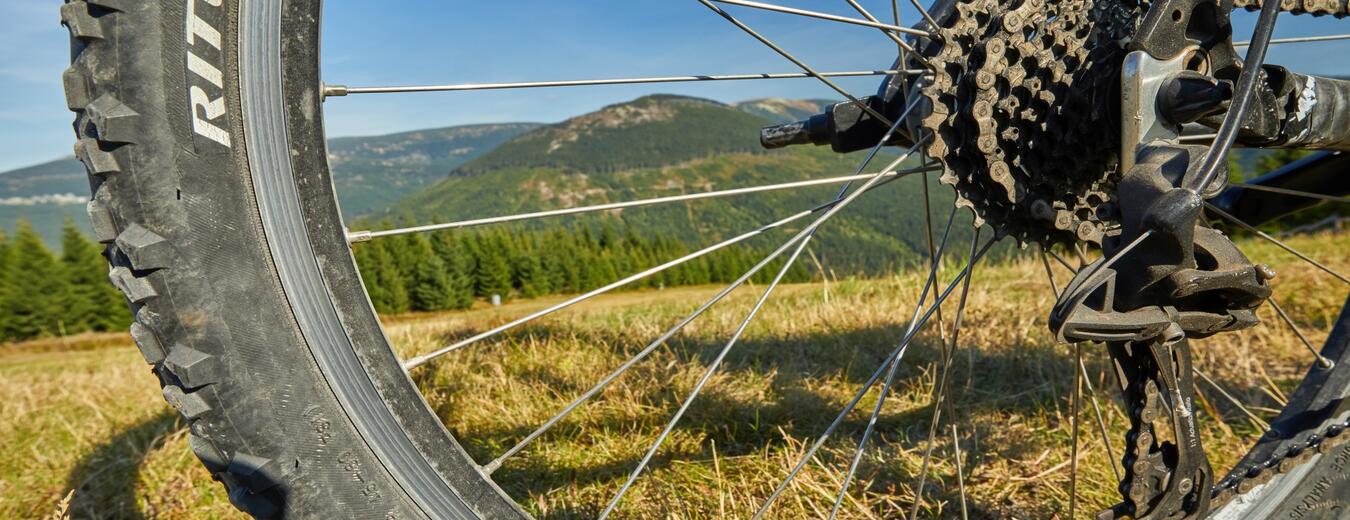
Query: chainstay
[[1240, 481]]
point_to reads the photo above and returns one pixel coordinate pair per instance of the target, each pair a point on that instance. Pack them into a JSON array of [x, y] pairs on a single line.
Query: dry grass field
[[83, 414]]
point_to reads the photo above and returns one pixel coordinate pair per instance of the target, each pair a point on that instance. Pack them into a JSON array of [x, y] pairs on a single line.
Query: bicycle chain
[[1167, 474], [1337, 8], [1147, 471], [1242, 480]]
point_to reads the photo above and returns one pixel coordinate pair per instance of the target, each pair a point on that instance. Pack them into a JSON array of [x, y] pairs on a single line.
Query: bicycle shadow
[[1033, 380], [104, 481]]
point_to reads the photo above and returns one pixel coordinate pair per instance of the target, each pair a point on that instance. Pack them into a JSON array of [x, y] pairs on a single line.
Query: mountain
[[650, 131], [369, 173], [781, 110], [670, 145], [45, 194], [64, 175]]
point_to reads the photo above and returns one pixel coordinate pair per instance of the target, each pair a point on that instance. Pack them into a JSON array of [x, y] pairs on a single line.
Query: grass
[[84, 414]]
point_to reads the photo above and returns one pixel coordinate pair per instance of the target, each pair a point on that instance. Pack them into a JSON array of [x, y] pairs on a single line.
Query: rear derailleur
[[1165, 279]]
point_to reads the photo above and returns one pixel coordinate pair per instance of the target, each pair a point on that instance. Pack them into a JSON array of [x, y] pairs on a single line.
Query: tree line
[[453, 269], [43, 293]]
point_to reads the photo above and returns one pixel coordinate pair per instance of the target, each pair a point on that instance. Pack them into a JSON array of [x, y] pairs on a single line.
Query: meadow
[[85, 432]]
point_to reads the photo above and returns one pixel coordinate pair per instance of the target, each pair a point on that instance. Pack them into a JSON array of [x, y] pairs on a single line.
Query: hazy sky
[[458, 41]]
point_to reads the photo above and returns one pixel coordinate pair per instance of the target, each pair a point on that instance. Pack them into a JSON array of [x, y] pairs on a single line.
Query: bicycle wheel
[[201, 124]]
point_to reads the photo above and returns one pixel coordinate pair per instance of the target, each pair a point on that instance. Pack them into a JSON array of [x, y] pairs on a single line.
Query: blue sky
[[456, 41]]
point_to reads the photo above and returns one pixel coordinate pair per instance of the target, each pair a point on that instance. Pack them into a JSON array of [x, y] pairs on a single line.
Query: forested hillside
[[650, 147], [579, 162]]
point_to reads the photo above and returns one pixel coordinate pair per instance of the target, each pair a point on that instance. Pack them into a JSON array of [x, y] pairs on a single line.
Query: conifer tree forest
[[43, 293], [453, 269]]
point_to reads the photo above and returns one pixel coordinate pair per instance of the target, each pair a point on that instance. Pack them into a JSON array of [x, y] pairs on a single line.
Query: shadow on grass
[[105, 480], [1028, 380]]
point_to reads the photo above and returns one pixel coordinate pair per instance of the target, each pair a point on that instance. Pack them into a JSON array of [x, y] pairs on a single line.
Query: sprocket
[[1023, 113]]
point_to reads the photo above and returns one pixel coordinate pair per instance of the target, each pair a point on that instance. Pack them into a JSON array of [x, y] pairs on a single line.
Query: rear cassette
[[1023, 113]]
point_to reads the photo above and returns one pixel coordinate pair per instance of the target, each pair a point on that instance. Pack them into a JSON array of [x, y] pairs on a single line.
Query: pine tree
[[493, 273], [458, 267], [600, 272], [430, 286], [532, 278], [93, 304], [37, 288], [609, 237], [384, 283]]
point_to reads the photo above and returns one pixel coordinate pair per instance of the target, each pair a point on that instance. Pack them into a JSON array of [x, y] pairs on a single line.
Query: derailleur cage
[[1182, 280]]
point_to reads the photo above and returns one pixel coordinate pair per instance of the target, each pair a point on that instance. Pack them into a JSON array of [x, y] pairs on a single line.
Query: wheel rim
[[302, 225]]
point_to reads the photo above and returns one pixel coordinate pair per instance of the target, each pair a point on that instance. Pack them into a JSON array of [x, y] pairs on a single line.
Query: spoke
[[890, 374], [830, 209], [940, 393], [1061, 260], [1255, 420], [362, 236], [651, 347], [804, 238], [1322, 361], [868, 15], [1126, 250], [825, 16], [1050, 274], [1286, 191], [895, 16], [1087, 381], [928, 226], [342, 90], [1303, 39], [904, 46], [419, 360], [1275, 241], [799, 63], [1104, 269], [1199, 137], [894, 357], [1074, 408], [1101, 421], [712, 368], [932, 24], [1082, 254], [960, 473]]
